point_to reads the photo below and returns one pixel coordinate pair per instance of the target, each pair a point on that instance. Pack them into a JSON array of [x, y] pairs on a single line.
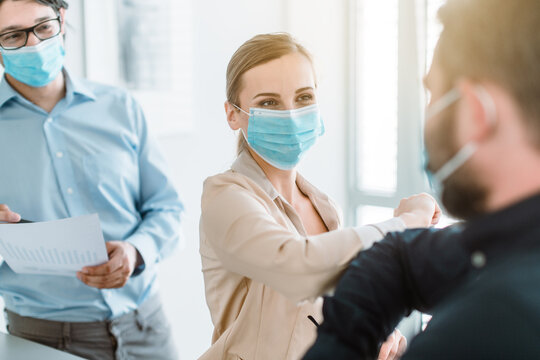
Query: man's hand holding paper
[[123, 259], [6, 215]]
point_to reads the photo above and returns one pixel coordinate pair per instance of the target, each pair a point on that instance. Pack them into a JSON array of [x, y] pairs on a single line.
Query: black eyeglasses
[[17, 39]]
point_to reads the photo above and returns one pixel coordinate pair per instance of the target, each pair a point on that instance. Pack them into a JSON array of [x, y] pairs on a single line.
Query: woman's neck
[[45, 97], [284, 181]]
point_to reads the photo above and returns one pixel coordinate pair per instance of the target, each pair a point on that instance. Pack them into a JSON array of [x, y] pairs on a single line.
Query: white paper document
[[60, 247]]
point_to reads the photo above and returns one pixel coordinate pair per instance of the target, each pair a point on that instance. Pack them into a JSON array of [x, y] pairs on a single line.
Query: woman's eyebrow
[[266, 94], [304, 89], [277, 95]]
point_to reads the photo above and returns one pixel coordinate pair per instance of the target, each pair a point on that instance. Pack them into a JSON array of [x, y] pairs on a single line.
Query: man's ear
[[233, 116], [62, 21], [478, 109]]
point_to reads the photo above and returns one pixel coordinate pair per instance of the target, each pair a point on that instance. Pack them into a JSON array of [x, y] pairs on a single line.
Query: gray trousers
[[140, 334]]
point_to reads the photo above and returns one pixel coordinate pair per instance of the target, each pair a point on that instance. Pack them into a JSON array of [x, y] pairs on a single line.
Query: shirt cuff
[[369, 234], [391, 225], [146, 248]]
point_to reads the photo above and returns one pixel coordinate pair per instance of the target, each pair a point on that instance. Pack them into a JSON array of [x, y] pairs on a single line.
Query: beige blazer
[[260, 266]]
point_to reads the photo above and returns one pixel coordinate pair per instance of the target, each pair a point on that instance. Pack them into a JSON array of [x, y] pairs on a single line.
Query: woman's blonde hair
[[258, 50]]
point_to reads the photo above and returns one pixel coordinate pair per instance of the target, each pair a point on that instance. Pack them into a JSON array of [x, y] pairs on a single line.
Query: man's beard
[[463, 196]]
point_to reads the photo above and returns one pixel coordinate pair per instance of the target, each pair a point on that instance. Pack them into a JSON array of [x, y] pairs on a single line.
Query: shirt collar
[[73, 86], [6, 91], [77, 86], [246, 165], [326, 208]]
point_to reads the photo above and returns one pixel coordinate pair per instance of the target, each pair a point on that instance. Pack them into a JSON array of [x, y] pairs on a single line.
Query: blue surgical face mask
[[282, 137], [451, 166], [36, 65]]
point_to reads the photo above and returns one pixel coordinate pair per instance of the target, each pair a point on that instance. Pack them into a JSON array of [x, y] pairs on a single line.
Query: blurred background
[[172, 55]]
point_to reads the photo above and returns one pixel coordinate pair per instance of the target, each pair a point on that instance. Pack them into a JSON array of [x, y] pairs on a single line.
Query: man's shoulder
[[508, 283], [493, 314], [515, 280]]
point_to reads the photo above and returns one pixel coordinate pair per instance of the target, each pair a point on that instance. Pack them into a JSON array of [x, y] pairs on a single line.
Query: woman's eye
[[305, 97], [268, 103]]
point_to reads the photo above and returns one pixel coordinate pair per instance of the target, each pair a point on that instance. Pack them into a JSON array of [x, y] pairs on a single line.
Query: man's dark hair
[[56, 5]]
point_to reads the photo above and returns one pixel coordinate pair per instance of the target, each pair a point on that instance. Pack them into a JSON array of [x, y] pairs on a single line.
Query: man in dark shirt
[[479, 278]]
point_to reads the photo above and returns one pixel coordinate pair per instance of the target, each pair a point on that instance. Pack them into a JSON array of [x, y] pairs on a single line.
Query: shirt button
[[49, 120], [478, 259], [59, 154], [69, 191]]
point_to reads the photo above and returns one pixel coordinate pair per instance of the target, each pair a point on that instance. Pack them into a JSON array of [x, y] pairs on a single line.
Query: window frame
[[410, 113]]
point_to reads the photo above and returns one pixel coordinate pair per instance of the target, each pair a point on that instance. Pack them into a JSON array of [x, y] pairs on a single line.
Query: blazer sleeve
[[249, 241]]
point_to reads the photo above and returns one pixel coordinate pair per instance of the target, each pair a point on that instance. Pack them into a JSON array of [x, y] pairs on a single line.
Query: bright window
[[392, 45], [376, 96]]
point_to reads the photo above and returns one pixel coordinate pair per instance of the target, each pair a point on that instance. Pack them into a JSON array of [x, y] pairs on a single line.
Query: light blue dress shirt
[[90, 154]]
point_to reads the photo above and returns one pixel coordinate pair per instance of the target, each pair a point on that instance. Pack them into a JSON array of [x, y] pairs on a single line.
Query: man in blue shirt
[[71, 147]]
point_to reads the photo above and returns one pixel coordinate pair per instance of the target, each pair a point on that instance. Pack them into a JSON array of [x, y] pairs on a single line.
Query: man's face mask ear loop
[[470, 148]]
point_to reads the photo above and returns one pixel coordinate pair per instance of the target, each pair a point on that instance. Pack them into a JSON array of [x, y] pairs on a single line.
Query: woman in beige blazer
[[269, 240]]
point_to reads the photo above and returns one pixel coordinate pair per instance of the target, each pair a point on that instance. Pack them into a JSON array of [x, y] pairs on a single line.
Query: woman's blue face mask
[[282, 137]]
